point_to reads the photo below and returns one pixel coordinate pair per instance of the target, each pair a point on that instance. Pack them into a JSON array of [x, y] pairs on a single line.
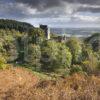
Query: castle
[[46, 30]]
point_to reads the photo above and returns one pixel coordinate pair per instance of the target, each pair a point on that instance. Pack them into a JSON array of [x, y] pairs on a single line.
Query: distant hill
[[94, 40], [95, 36], [78, 32], [16, 25]]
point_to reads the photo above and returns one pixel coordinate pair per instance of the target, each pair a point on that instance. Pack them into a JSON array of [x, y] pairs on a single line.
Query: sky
[[54, 13]]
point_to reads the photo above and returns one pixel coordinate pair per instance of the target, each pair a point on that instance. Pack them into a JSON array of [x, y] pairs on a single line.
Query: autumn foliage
[[20, 84]]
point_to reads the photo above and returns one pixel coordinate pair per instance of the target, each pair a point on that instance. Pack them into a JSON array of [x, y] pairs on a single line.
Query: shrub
[[76, 69], [2, 62], [89, 59], [87, 52], [90, 65], [97, 54], [98, 66], [65, 73]]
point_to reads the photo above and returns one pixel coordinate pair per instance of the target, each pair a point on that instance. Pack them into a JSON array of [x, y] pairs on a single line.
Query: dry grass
[[19, 84]]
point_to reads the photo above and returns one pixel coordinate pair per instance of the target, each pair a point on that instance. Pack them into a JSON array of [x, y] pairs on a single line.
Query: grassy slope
[[22, 84]]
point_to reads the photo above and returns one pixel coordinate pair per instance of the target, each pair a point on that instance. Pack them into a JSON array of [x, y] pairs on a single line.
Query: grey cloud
[[91, 2], [11, 10], [57, 2], [88, 9], [42, 5]]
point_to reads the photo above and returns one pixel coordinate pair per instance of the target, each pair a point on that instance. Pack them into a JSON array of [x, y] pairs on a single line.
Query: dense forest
[[16, 25], [31, 49]]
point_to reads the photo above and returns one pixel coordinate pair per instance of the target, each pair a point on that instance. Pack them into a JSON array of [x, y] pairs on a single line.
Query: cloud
[[89, 2], [52, 12], [12, 10], [47, 8], [42, 5], [86, 18]]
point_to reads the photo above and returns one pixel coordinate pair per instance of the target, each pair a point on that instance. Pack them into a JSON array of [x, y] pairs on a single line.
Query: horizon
[[69, 27]]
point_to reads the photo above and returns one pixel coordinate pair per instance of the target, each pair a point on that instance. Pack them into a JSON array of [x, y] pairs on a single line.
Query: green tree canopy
[[34, 56], [55, 56], [36, 35], [74, 45]]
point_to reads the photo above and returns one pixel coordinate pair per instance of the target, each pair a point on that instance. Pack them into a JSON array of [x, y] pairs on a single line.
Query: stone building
[[46, 30]]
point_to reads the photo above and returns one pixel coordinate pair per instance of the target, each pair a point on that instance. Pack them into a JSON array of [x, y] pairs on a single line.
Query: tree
[[16, 25], [36, 35], [89, 59], [10, 47], [49, 55], [94, 41], [33, 57], [74, 45], [64, 56], [55, 56]]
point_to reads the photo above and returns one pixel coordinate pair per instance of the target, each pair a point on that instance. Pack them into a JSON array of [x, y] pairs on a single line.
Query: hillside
[[20, 84], [34, 68], [16, 25]]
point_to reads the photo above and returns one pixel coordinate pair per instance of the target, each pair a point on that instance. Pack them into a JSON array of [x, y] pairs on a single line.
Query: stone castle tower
[[46, 30]]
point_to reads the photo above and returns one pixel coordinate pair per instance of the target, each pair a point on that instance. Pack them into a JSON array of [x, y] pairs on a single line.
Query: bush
[[65, 73], [91, 65], [87, 52], [2, 62], [97, 54], [98, 67], [89, 59], [76, 69]]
